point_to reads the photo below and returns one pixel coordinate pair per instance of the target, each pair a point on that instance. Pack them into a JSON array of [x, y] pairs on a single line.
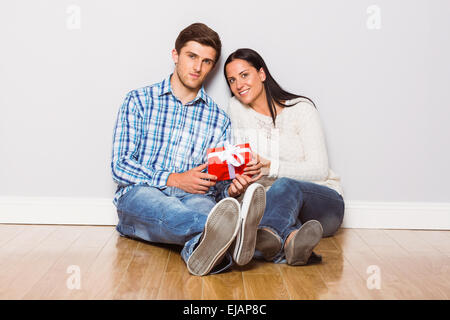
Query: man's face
[[193, 63]]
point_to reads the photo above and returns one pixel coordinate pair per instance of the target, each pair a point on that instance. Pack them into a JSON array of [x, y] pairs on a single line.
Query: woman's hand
[[257, 168], [239, 185]]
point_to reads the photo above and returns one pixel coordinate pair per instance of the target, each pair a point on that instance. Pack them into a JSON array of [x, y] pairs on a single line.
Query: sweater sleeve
[[314, 165]]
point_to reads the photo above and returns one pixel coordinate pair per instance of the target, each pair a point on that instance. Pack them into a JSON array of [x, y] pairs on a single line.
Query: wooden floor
[[46, 262]]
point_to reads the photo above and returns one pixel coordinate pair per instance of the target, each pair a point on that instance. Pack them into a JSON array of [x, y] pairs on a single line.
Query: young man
[[159, 158]]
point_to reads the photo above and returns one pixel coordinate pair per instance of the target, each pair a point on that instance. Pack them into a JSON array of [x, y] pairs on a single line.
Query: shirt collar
[[166, 87]]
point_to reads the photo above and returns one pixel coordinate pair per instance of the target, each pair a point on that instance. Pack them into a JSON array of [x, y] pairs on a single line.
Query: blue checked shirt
[[156, 135]]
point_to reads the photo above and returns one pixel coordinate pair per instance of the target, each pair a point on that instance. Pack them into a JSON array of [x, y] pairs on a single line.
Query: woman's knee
[[284, 181]]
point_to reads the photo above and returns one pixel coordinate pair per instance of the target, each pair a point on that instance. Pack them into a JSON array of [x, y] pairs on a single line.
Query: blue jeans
[[170, 216], [290, 203]]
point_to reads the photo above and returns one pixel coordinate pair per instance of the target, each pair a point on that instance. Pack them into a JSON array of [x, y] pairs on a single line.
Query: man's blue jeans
[[290, 203], [170, 216]]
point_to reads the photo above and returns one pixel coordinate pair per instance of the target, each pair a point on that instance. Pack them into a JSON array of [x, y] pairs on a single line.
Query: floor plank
[[105, 274], [303, 282], [34, 261], [409, 269], [426, 258], [20, 245], [265, 286], [78, 257], [9, 232], [34, 265], [143, 277], [440, 240], [369, 265], [340, 277], [178, 283], [224, 286], [258, 274]]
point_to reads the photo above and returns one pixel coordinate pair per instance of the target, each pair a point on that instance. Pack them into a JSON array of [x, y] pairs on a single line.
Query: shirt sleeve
[[125, 166]]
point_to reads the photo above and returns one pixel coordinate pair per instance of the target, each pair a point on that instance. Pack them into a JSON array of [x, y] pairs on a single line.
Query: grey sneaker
[[300, 247], [252, 211], [220, 231], [268, 243]]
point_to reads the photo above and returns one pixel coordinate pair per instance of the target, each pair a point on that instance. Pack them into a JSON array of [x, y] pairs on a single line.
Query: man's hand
[[239, 185], [192, 181]]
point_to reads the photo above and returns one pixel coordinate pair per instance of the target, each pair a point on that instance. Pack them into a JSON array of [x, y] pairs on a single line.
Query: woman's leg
[[324, 205], [290, 203]]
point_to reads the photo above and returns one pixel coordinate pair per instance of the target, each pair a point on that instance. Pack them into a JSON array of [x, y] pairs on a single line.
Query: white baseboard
[[397, 215], [87, 211], [31, 210]]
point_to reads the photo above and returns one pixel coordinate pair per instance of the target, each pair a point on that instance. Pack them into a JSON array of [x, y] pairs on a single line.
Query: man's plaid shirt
[[156, 135]]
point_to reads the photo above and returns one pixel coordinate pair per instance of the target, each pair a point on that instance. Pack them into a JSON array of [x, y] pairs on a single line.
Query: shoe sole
[[268, 244], [220, 230], [253, 205], [301, 246]]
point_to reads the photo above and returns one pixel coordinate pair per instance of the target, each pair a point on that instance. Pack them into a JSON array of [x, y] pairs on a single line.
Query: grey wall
[[382, 93]]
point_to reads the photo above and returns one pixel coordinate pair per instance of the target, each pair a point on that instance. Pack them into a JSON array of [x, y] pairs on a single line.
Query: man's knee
[[200, 203]]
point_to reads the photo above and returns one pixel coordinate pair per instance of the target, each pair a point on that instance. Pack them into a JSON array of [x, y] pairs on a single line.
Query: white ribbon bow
[[228, 154]]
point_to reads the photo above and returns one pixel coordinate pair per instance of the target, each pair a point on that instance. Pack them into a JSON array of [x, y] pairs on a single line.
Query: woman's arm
[[314, 165]]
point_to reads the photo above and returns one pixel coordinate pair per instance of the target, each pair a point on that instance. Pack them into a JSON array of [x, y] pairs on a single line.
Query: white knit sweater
[[296, 146]]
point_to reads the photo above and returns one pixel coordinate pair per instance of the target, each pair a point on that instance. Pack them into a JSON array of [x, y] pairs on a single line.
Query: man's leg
[[203, 204], [220, 231], [199, 202], [159, 216], [149, 214], [252, 210]]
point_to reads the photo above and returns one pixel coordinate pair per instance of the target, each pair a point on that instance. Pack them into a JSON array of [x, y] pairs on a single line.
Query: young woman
[[304, 196]]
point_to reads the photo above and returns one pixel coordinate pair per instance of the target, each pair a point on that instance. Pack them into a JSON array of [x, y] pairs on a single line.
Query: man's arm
[[125, 168], [192, 181]]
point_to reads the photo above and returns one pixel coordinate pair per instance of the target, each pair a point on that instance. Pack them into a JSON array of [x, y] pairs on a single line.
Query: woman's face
[[246, 83]]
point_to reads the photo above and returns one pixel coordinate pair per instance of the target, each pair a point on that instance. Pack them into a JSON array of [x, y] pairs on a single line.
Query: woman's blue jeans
[[170, 216], [290, 203]]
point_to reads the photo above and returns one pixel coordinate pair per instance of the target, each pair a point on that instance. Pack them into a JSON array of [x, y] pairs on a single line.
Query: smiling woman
[[304, 200]]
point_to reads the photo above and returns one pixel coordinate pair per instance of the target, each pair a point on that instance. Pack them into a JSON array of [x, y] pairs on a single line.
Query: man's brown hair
[[202, 34]]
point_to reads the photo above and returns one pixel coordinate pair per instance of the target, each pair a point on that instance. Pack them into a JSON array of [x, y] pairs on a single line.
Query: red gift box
[[226, 161]]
